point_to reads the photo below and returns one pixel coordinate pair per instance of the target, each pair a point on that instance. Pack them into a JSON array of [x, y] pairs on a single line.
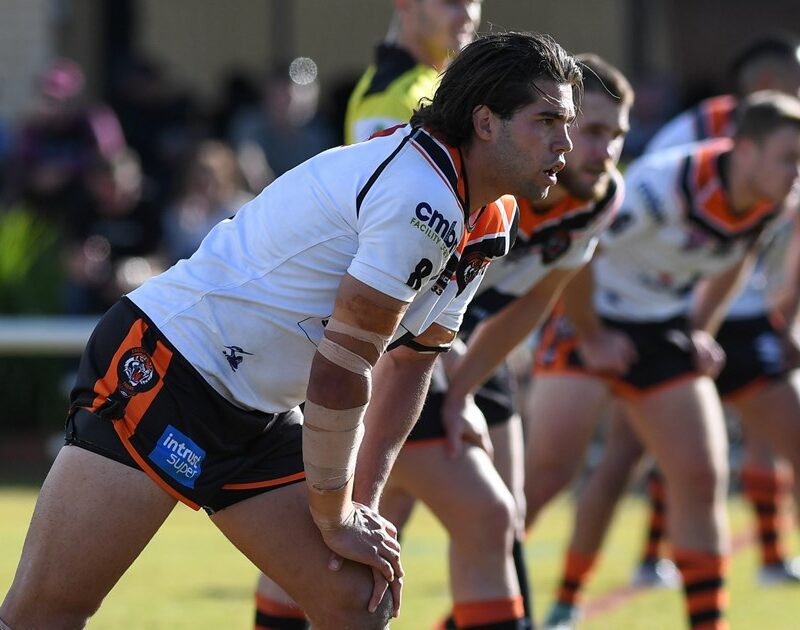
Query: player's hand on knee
[[464, 422], [709, 356], [368, 538], [609, 351]]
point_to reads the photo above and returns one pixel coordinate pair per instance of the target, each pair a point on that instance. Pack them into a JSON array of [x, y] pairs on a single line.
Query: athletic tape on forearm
[[376, 339], [344, 358], [331, 439]]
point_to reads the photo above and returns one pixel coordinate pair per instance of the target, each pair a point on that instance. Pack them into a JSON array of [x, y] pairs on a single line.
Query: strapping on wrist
[[331, 509]]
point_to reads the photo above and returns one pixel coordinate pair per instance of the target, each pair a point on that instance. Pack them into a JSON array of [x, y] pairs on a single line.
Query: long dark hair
[[500, 71]]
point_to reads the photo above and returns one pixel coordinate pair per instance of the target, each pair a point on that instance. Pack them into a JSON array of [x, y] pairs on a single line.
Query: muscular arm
[[401, 381], [333, 387], [338, 392], [601, 349], [713, 295], [711, 299], [578, 302]]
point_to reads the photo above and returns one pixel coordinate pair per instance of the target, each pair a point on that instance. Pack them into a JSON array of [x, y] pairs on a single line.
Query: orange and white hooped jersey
[[674, 227], [715, 118], [712, 118], [561, 237], [391, 212]]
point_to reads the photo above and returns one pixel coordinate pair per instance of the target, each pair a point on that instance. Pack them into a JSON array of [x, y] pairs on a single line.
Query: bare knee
[[702, 480], [42, 611], [492, 526], [345, 605]]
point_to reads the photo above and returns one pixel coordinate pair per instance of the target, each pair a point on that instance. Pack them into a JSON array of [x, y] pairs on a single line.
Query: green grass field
[[191, 577]]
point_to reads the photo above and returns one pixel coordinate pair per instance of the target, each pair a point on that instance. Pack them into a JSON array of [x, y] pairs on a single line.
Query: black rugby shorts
[[139, 402]]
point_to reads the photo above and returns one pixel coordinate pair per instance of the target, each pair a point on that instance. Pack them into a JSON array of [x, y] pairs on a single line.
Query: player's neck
[[484, 186], [737, 179], [556, 195]]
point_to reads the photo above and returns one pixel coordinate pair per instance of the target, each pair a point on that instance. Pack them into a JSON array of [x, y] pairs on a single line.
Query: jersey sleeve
[[403, 240], [453, 315]]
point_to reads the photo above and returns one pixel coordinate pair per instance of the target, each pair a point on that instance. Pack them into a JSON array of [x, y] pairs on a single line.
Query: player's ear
[[482, 122]]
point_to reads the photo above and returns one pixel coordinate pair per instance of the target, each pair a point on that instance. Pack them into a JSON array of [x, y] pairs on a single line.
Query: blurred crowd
[[132, 185], [129, 186]]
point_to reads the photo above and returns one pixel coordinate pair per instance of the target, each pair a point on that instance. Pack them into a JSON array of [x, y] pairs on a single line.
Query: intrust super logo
[[178, 456], [434, 225]]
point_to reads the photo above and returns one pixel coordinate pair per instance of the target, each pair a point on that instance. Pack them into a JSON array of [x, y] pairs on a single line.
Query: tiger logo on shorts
[[136, 372]]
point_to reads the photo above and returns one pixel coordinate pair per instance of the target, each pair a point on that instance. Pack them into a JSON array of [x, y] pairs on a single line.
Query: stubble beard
[[592, 192]]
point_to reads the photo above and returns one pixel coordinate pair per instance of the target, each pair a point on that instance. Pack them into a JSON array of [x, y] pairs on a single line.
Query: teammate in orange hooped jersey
[[442, 462], [752, 375], [644, 330]]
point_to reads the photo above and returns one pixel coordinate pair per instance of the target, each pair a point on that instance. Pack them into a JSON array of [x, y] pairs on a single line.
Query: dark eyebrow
[[558, 114]]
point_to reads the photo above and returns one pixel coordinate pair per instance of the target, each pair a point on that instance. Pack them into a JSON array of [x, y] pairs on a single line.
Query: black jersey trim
[[692, 214], [437, 155], [381, 167], [700, 123], [390, 62], [442, 160]]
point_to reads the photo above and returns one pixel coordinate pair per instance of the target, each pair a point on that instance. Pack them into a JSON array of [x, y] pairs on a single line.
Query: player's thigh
[[683, 426], [92, 519], [509, 453], [623, 448], [275, 531], [396, 504], [771, 417], [464, 493], [562, 412], [267, 587]]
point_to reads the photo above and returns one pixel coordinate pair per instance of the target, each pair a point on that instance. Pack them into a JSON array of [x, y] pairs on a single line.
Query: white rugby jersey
[[564, 236], [714, 118], [711, 118], [249, 307], [674, 227]]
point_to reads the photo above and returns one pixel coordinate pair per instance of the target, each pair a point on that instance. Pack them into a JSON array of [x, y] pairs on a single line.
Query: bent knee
[[344, 605], [45, 613], [703, 479], [491, 523]]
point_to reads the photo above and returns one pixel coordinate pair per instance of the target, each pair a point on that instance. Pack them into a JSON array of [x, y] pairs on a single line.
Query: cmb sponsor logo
[[435, 226], [178, 456]]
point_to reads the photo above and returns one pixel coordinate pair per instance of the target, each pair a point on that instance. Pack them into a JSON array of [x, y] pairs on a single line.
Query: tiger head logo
[[136, 372]]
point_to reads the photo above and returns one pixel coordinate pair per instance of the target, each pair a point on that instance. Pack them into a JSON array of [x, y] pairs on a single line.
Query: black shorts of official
[[495, 399], [754, 356], [663, 348], [141, 403]]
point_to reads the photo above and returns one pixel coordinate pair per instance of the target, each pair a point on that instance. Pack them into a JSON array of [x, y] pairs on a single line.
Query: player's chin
[[537, 193]]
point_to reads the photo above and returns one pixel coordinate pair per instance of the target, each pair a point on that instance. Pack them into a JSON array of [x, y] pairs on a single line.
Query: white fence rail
[[45, 336]]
